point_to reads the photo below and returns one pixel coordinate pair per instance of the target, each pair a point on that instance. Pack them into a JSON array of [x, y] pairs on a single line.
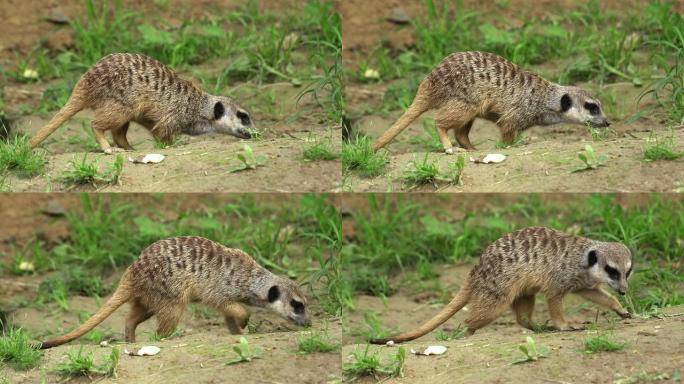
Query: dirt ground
[[198, 164], [198, 355], [654, 345], [543, 163]]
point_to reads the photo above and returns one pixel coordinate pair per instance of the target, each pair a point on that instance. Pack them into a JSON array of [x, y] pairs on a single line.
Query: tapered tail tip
[[382, 341]]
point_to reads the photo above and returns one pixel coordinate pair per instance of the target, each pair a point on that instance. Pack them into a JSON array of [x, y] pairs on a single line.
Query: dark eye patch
[[244, 117], [612, 273], [592, 108], [297, 306]]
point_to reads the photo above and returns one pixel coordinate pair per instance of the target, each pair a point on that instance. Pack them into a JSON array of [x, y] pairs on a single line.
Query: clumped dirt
[[653, 345]]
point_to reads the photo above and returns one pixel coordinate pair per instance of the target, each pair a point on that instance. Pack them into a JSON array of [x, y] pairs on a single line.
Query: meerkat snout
[[231, 119], [611, 264], [286, 299], [579, 107]]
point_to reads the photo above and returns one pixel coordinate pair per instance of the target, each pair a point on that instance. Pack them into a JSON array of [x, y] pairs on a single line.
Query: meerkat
[[173, 272], [125, 87], [467, 85], [519, 265]]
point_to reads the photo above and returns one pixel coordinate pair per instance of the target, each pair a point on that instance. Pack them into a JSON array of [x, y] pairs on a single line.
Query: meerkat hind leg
[[119, 136], [482, 314], [109, 117], [138, 314], [601, 297], [237, 317], [458, 117], [523, 307]]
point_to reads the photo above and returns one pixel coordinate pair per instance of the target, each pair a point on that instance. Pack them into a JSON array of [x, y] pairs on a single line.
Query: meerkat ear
[[219, 110], [592, 258], [566, 102], [273, 294]]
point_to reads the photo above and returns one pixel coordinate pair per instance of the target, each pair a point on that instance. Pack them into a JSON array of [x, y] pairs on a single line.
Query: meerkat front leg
[[237, 317], [557, 316], [601, 297]]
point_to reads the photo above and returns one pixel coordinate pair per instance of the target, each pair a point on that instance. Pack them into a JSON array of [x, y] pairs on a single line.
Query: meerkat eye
[[612, 273], [592, 108], [243, 116], [297, 306]]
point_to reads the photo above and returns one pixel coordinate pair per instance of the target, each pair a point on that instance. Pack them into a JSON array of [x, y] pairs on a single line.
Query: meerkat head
[[286, 298], [226, 116], [609, 263], [577, 106]]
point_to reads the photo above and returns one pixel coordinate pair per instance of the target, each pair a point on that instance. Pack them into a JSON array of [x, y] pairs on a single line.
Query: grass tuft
[[602, 343], [17, 351], [17, 156], [311, 342], [358, 156], [364, 364]]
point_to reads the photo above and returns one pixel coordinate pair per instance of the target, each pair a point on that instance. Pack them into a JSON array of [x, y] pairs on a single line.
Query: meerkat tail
[[419, 105], [73, 106], [459, 301], [120, 297]]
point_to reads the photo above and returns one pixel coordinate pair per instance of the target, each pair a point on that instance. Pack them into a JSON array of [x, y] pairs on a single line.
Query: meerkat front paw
[[113, 150], [449, 151], [624, 314], [565, 327]]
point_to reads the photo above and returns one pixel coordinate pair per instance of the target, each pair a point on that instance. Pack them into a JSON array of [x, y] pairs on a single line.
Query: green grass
[[519, 140], [17, 156], [604, 342], [395, 234], [17, 351], [245, 352], [428, 172], [363, 364], [313, 342], [661, 149], [318, 149], [83, 364], [84, 172], [358, 157]]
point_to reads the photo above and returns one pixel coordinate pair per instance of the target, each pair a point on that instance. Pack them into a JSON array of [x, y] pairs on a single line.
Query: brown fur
[[519, 265], [467, 85], [124, 87], [171, 273]]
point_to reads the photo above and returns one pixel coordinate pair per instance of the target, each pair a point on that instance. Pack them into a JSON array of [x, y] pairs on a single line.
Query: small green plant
[[175, 142], [661, 149], [85, 172], [248, 160], [602, 343], [590, 160], [363, 365], [312, 341], [531, 352], [597, 133], [458, 333], [245, 352], [83, 364], [424, 172], [358, 156], [16, 350], [16, 155], [519, 140], [157, 337], [427, 172], [318, 150]]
